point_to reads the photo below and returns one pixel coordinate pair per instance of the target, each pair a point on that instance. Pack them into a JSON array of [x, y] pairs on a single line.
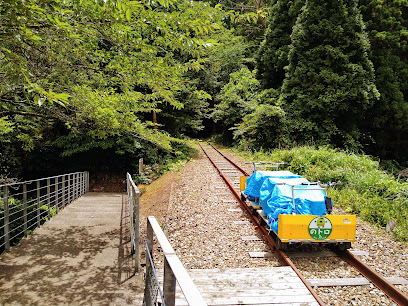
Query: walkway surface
[[265, 286], [80, 257]]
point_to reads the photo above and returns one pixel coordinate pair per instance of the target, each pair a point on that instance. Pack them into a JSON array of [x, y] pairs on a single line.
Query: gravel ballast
[[199, 224]]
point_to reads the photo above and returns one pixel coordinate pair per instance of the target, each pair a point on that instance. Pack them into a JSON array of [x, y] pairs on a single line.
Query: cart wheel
[[281, 245], [261, 221], [344, 246]]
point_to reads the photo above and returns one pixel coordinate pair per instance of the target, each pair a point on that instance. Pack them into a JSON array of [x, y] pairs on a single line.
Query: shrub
[[149, 174]]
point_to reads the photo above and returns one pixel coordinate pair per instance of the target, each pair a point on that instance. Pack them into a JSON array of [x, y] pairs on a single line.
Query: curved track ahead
[[219, 162]]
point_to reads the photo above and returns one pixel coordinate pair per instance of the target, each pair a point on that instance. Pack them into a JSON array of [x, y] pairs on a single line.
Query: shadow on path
[[81, 256]]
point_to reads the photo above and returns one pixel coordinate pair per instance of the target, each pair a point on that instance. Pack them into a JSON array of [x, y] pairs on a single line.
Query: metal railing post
[[149, 237], [69, 189], [63, 192], [48, 199], [56, 191], [129, 201], [136, 197], [149, 269], [87, 181], [83, 182], [131, 207], [25, 208], [133, 196], [79, 184], [73, 187], [76, 185], [6, 220], [169, 285], [38, 203]]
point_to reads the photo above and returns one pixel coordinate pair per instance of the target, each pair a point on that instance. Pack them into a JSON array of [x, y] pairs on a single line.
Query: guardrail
[[133, 202], [174, 272], [26, 205]]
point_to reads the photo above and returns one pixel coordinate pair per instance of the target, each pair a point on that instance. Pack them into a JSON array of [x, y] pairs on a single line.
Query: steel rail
[[379, 281], [234, 164], [384, 285], [283, 259]]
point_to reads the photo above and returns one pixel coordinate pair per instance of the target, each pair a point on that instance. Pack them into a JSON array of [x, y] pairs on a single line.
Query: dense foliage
[[337, 72], [330, 80], [272, 55], [87, 81], [387, 28], [95, 85], [81, 75]]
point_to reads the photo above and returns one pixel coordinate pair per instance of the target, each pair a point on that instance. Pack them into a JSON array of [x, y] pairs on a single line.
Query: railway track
[[229, 171]]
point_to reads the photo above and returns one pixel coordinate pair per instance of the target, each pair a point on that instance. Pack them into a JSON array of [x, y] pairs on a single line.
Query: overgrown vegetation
[[338, 78], [366, 189]]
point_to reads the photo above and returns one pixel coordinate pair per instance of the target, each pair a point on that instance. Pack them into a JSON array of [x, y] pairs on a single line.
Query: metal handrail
[[150, 293], [24, 206], [173, 271], [43, 179], [133, 202]]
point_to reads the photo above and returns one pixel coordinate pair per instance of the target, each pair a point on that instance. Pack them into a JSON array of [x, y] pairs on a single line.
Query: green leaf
[[128, 14]]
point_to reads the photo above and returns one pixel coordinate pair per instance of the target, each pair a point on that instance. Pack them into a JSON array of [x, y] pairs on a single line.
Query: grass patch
[[366, 190]]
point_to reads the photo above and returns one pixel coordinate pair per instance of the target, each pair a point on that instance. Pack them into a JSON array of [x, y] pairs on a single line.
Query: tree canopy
[[135, 77], [96, 69]]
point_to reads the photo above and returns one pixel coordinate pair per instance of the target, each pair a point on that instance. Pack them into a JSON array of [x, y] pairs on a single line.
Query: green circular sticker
[[320, 228]]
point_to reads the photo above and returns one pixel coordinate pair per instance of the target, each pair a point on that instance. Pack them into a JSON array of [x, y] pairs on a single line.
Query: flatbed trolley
[[294, 210]]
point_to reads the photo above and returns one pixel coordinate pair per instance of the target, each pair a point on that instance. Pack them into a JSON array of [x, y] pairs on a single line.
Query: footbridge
[[63, 245]]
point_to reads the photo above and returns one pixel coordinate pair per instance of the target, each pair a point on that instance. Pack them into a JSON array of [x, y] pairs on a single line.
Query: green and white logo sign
[[320, 228]]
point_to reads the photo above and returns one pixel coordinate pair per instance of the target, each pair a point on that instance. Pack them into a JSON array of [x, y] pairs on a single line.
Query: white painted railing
[[174, 272], [133, 202]]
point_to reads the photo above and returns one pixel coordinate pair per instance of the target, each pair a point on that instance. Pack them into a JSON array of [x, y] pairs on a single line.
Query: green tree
[[236, 99], [265, 126], [272, 56], [229, 55], [248, 17], [330, 80], [96, 68], [387, 27]]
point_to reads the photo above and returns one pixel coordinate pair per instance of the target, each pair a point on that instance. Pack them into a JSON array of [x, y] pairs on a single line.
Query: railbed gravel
[[201, 230]]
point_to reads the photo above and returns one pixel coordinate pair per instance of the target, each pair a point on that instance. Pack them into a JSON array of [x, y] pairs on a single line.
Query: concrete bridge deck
[[79, 257]]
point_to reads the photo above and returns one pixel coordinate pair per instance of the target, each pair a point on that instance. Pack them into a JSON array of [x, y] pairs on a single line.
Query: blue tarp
[[268, 189], [274, 188], [255, 181]]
